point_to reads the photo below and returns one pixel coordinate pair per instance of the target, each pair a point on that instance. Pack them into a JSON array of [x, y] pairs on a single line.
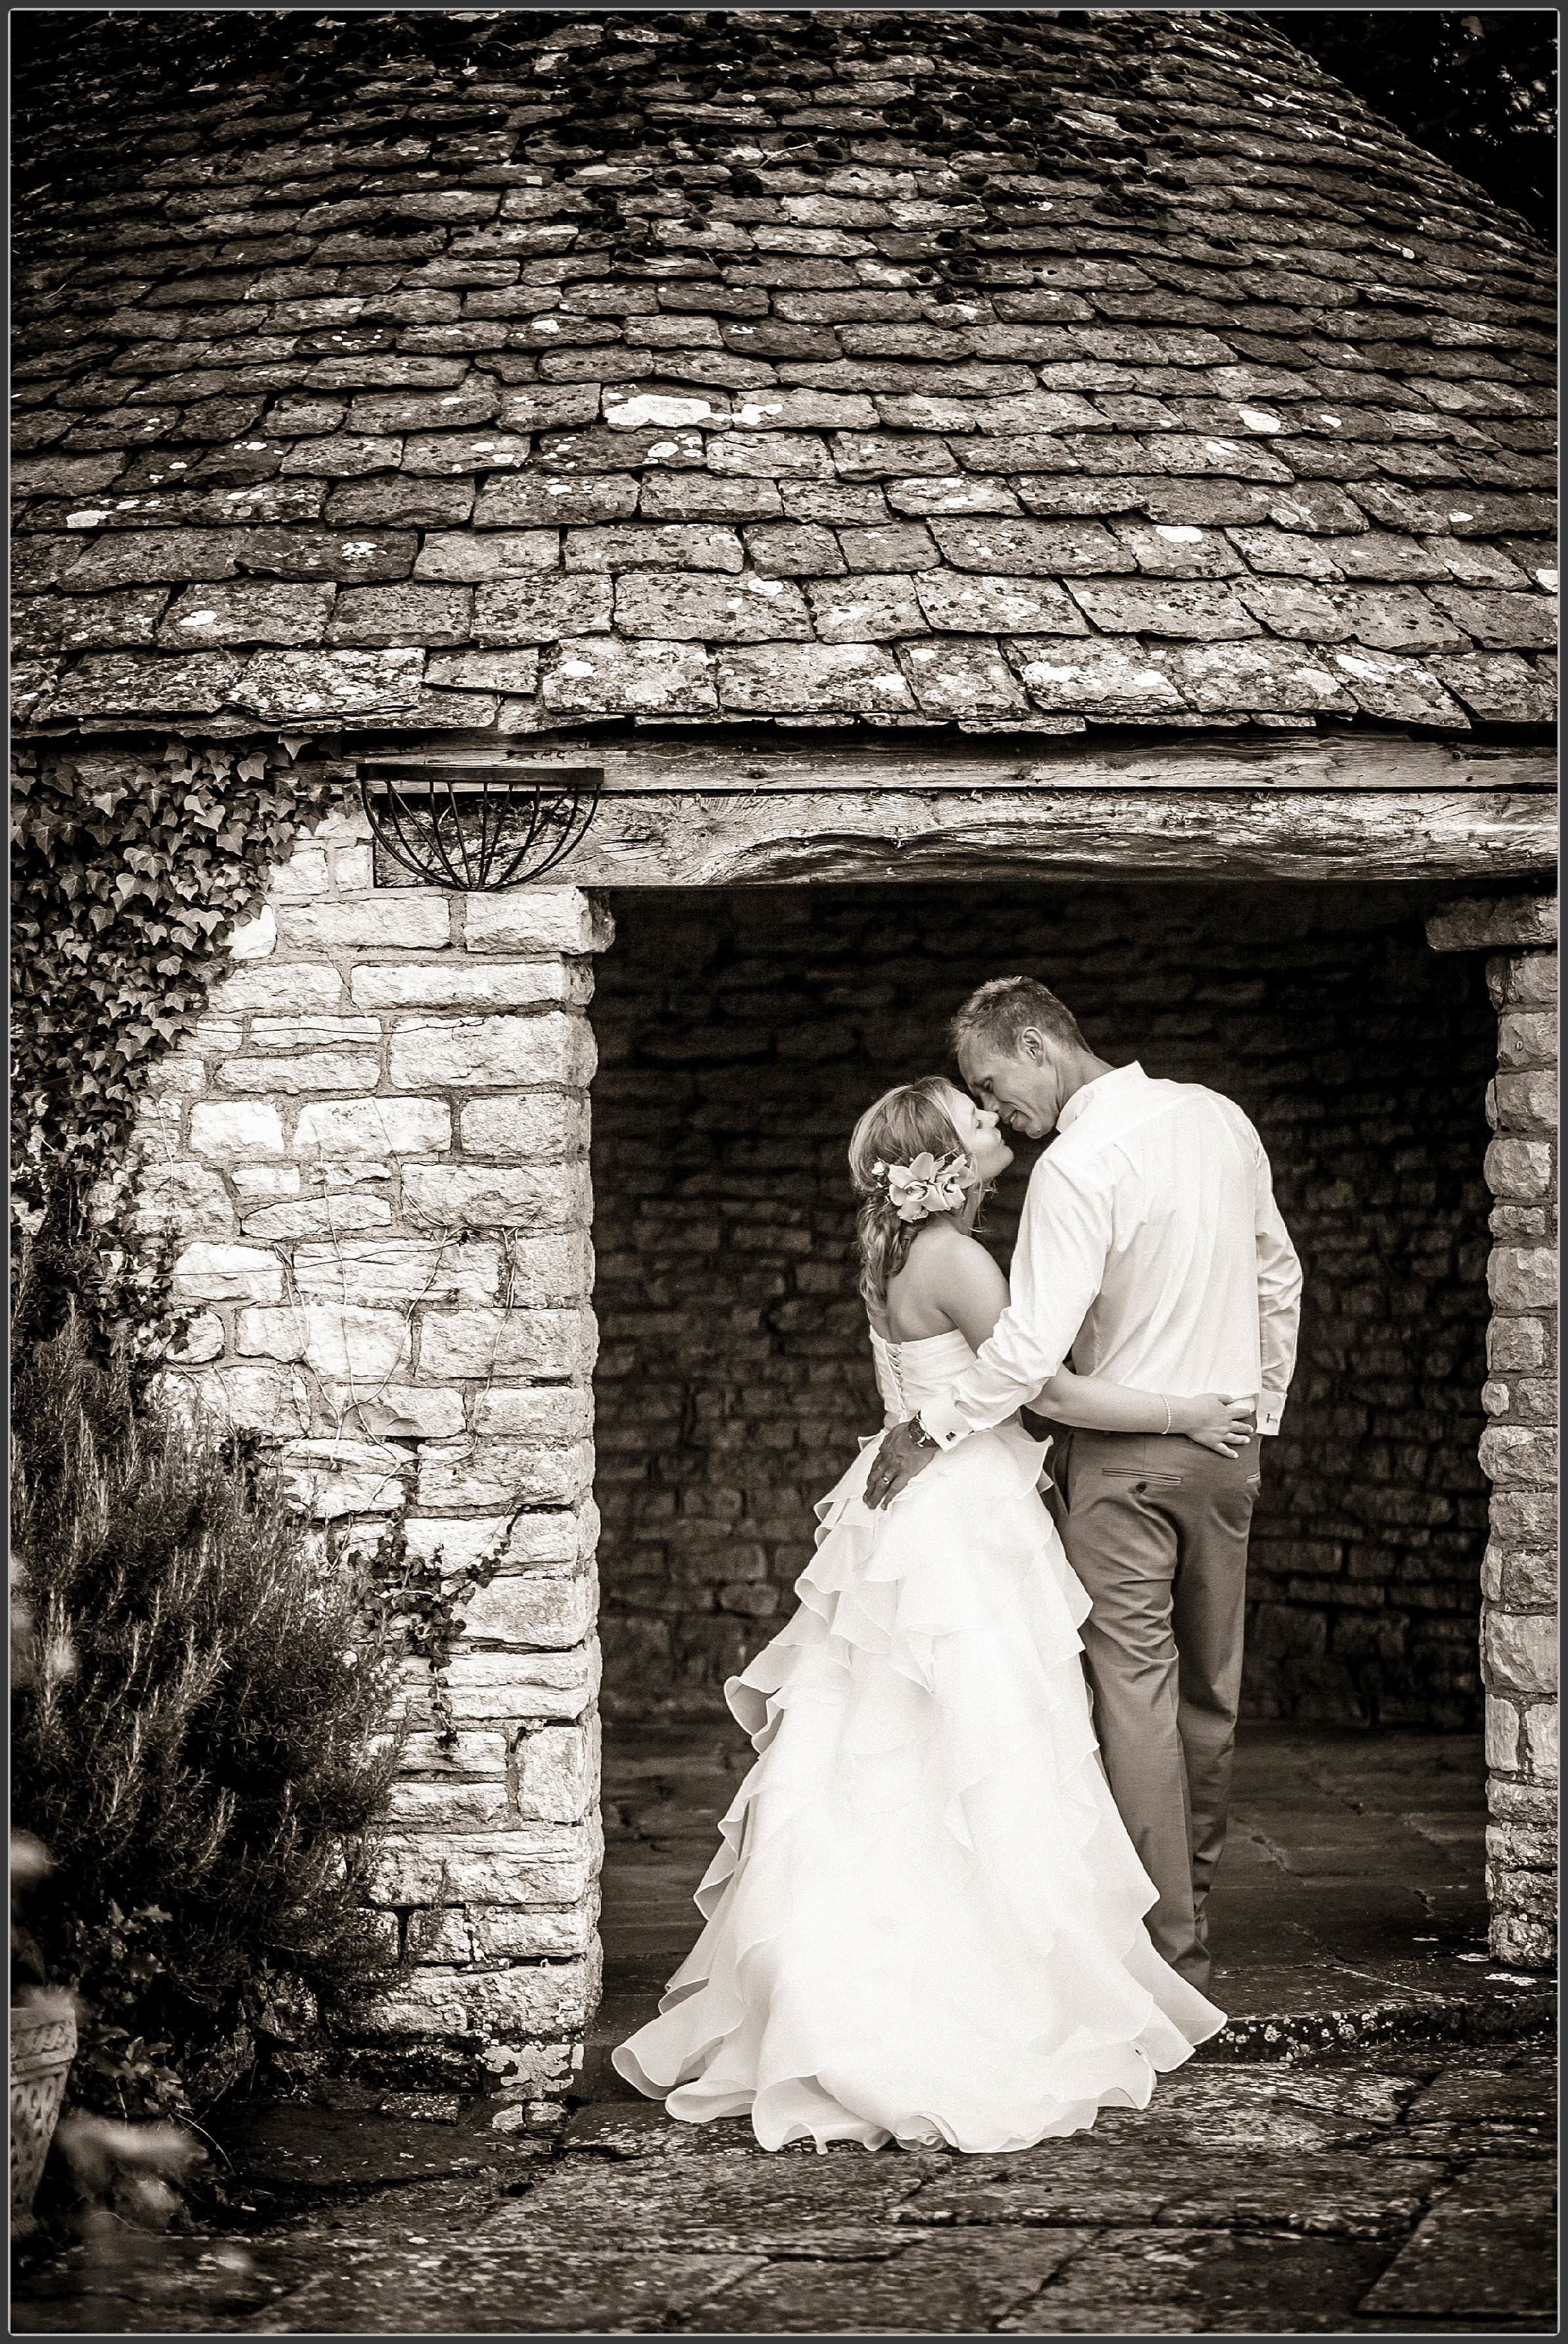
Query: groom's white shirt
[[1152, 1249]]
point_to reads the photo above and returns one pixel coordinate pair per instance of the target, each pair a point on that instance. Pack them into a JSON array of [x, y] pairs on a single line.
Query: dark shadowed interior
[[740, 1034]]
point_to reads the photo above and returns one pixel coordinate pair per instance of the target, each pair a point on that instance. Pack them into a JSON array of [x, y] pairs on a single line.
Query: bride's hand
[[1216, 1422]]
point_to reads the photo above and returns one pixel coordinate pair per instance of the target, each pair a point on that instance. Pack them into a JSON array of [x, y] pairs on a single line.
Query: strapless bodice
[[909, 1374]]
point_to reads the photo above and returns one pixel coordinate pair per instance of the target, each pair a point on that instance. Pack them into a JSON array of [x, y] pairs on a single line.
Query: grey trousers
[[1157, 1529]]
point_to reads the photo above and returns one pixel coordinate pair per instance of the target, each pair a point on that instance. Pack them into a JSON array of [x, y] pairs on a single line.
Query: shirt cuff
[[1271, 1409], [941, 1420]]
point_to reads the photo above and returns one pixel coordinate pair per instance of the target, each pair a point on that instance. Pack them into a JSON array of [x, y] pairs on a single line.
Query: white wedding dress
[[924, 1920]]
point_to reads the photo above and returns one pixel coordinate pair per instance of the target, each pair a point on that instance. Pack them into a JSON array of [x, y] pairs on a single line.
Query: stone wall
[[740, 1035], [1519, 1449], [375, 1147]]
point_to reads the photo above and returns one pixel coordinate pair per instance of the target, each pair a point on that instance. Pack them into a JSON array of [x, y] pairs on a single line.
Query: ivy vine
[[128, 879]]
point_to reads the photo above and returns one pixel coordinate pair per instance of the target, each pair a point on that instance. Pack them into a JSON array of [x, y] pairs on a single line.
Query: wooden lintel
[[681, 839], [1280, 764]]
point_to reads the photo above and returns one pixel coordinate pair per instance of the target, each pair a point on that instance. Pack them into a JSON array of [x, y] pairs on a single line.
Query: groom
[[1150, 1248]]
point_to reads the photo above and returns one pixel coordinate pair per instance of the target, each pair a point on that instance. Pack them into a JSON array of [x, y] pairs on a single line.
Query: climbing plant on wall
[[128, 875]]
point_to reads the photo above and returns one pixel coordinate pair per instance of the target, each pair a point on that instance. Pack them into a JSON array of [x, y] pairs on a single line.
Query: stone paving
[[1400, 2184]]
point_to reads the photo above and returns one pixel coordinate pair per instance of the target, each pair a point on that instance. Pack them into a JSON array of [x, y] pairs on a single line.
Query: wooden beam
[[669, 839], [712, 761]]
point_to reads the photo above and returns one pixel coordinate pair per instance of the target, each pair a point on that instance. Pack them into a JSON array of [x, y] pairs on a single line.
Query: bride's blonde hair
[[905, 1122]]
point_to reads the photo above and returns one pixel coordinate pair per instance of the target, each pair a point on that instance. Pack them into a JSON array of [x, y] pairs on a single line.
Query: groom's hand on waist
[[906, 1450]]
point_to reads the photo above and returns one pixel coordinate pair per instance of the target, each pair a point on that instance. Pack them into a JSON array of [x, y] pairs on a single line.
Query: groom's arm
[[1058, 1268], [1279, 1300]]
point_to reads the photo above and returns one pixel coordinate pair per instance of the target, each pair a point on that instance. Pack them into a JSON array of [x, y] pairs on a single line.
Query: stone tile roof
[[1019, 371]]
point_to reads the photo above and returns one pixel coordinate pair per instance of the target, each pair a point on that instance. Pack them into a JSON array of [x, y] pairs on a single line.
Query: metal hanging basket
[[474, 824]]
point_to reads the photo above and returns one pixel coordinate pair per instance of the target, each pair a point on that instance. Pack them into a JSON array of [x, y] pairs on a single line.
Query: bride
[[924, 1920]]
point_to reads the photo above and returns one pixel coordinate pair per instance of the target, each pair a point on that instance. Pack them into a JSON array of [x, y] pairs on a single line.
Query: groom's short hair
[[1000, 1013]]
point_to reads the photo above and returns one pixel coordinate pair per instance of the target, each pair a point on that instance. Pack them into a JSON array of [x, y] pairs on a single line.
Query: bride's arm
[[967, 1285]]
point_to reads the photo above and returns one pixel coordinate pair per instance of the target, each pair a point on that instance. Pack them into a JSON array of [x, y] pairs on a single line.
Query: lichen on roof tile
[[1000, 368]]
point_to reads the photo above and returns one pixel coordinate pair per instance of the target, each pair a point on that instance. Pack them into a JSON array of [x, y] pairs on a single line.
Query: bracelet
[[1166, 1412]]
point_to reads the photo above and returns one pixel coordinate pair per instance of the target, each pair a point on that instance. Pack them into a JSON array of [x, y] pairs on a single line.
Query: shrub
[[199, 1742]]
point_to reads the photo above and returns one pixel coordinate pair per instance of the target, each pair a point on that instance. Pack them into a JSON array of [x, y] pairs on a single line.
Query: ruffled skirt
[[925, 1921]]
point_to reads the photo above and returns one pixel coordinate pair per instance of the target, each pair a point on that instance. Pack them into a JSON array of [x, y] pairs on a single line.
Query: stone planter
[[43, 2044]]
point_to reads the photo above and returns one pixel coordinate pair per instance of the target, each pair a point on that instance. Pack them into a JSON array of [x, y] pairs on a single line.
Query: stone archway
[[377, 1148]]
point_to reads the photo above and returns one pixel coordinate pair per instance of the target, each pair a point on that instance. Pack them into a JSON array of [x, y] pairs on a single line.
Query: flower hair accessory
[[929, 1184]]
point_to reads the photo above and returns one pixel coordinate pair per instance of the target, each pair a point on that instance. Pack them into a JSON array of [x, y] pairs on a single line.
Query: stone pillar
[[1519, 1447], [376, 1149]]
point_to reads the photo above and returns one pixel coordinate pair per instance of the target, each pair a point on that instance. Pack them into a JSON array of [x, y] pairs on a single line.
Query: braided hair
[[905, 1122]]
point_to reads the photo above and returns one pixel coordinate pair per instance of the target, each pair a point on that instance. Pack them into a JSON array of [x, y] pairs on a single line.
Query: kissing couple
[[962, 1895]]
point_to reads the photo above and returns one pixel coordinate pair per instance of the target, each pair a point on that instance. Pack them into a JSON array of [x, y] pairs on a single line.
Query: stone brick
[[536, 1197], [135, 684], [343, 455], [522, 984], [962, 679], [475, 401], [334, 1339], [668, 545], [644, 677], [795, 678], [402, 614], [538, 1864], [1522, 978], [1523, 1278], [896, 547], [318, 1217], [1201, 608], [558, 1774], [1484, 924], [494, 670], [533, 1128], [491, 1053], [270, 1400], [285, 687], [313, 1070], [400, 500], [206, 1272], [188, 1197], [1094, 676], [559, 1415], [550, 1614], [700, 496], [1520, 1650], [681, 606], [556, 500], [1518, 1454], [399, 1269], [372, 1128], [513, 1685], [972, 603], [553, 1997], [508, 1342], [1527, 1037], [504, 1475], [539, 919], [458, 454], [236, 1131], [1503, 1736], [447, 1806], [467, 560], [1030, 548], [404, 919], [541, 609], [397, 1411], [1520, 1168], [1540, 1741], [554, 406], [1526, 1102], [338, 1476], [792, 550], [560, 1537], [865, 608]]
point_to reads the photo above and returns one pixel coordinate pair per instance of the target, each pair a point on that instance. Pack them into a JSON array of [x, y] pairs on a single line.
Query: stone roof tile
[[563, 374]]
